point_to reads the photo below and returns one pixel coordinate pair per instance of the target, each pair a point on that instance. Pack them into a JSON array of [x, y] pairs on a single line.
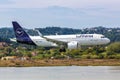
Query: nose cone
[[107, 41]]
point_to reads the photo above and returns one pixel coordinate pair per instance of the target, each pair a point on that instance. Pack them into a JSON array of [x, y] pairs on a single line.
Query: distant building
[[118, 30], [8, 58], [109, 30], [15, 58]]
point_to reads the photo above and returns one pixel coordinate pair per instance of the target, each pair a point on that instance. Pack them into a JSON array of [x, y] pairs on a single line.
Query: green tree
[[113, 48]]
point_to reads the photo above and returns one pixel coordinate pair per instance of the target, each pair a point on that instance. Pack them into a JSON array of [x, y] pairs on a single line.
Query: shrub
[[103, 55], [59, 57], [111, 56], [85, 57], [94, 57], [40, 56], [117, 56], [113, 48]]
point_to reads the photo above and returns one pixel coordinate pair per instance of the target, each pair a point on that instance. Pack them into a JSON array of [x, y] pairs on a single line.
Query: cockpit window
[[102, 36]]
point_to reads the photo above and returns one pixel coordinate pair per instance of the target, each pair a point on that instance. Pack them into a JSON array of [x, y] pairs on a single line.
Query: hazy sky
[[64, 13]]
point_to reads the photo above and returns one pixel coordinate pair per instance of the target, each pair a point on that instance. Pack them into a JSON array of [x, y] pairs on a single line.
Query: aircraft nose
[[107, 40]]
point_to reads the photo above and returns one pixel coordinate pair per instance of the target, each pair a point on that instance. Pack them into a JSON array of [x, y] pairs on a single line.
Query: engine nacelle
[[72, 45]]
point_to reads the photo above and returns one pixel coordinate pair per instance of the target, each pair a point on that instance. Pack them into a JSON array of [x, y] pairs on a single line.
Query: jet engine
[[72, 45]]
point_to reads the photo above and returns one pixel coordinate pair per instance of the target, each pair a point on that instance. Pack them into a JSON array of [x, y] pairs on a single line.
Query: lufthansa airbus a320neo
[[71, 41]]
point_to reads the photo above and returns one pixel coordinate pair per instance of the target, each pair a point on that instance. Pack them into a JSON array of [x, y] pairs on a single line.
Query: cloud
[[62, 3]]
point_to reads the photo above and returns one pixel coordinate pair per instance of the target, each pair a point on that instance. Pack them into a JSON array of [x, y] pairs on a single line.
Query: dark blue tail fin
[[21, 35]]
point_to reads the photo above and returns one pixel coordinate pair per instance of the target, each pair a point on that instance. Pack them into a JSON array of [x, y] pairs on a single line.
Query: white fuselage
[[81, 39]]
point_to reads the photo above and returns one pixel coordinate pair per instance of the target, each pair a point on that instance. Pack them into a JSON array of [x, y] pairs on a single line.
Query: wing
[[59, 43]]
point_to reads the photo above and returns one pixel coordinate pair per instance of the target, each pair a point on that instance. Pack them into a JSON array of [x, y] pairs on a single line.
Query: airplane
[[70, 41]]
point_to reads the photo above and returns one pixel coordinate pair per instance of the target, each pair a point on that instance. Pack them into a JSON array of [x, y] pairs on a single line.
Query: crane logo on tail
[[19, 32]]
